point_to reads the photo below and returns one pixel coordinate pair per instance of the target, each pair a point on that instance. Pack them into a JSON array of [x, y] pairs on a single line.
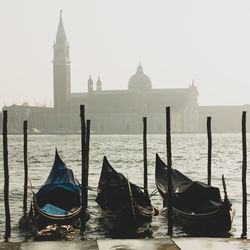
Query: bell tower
[[61, 68], [90, 85], [98, 84]]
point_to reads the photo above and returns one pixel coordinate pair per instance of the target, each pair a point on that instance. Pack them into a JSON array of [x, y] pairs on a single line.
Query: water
[[125, 153]]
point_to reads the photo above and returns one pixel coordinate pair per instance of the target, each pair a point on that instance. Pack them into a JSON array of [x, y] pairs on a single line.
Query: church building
[[119, 111], [110, 111]]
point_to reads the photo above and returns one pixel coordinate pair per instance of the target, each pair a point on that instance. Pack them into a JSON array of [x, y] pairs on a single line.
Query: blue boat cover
[[49, 208], [60, 176]]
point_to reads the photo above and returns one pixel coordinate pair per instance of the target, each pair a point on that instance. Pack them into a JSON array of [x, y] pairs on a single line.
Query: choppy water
[[125, 154]]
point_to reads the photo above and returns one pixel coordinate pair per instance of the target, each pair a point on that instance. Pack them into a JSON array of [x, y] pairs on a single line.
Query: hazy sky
[[175, 40]]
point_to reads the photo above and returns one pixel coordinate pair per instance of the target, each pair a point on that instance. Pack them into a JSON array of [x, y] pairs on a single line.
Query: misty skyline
[[174, 41]]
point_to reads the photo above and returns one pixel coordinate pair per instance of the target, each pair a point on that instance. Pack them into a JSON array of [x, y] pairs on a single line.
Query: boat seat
[[51, 209]]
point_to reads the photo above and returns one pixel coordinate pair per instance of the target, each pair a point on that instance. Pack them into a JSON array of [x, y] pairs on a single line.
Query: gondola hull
[[197, 207], [57, 203], [126, 221], [40, 219], [207, 224], [124, 207]]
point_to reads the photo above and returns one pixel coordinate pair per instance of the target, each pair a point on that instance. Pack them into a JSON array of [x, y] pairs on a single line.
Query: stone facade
[[110, 111], [120, 111]]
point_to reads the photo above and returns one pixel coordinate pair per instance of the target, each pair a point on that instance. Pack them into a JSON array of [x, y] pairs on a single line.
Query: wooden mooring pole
[[145, 156], [169, 161], [209, 154], [87, 161], [6, 177], [244, 172], [83, 151], [25, 126]]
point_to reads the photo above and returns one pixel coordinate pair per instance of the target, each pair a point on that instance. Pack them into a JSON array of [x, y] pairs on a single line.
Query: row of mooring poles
[[85, 139]]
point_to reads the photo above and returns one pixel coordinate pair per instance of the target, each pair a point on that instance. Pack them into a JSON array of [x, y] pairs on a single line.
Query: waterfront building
[[224, 119], [119, 111]]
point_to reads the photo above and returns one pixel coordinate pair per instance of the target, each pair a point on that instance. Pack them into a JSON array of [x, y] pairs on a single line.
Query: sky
[[175, 41]]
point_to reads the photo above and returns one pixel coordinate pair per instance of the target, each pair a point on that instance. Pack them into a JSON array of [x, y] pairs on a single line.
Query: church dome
[[139, 81]]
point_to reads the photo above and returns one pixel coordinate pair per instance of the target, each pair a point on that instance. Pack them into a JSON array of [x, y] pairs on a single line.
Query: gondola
[[197, 207], [57, 204], [124, 206]]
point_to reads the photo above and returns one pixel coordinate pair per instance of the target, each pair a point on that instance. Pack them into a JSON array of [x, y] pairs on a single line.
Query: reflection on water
[[125, 154]]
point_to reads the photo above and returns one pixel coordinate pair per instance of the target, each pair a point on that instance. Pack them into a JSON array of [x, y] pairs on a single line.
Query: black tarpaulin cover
[[188, 195], [113, 190]]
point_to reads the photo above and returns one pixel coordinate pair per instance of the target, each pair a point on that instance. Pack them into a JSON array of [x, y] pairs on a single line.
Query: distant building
[[224, 119], [119, 111], [39, 118]]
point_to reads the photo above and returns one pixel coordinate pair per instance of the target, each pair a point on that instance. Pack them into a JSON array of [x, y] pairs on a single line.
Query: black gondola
[[124, 206], [57, 203], [197, 207]]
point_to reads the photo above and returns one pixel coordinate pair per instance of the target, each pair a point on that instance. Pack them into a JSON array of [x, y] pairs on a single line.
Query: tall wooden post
[[244, 172], [83, 136], [6, 177], [169, 161], [209, 155], [25, 126], [87, 161], [145, 156]]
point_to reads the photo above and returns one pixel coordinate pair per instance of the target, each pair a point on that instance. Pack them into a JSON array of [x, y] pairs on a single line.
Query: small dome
[[139, 81]]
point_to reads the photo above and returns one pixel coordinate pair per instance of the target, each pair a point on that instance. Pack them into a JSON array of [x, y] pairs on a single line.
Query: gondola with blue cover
[[58, 201]]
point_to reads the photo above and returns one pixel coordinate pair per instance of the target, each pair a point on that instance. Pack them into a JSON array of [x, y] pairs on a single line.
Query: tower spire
[[61, 68], [61, 35], [99, 84], [90, 84]]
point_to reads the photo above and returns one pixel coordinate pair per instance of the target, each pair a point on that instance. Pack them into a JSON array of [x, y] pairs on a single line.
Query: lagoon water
[[125, 153]]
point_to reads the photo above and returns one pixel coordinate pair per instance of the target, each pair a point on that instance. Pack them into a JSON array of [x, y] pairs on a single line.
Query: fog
[[175, 41]]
